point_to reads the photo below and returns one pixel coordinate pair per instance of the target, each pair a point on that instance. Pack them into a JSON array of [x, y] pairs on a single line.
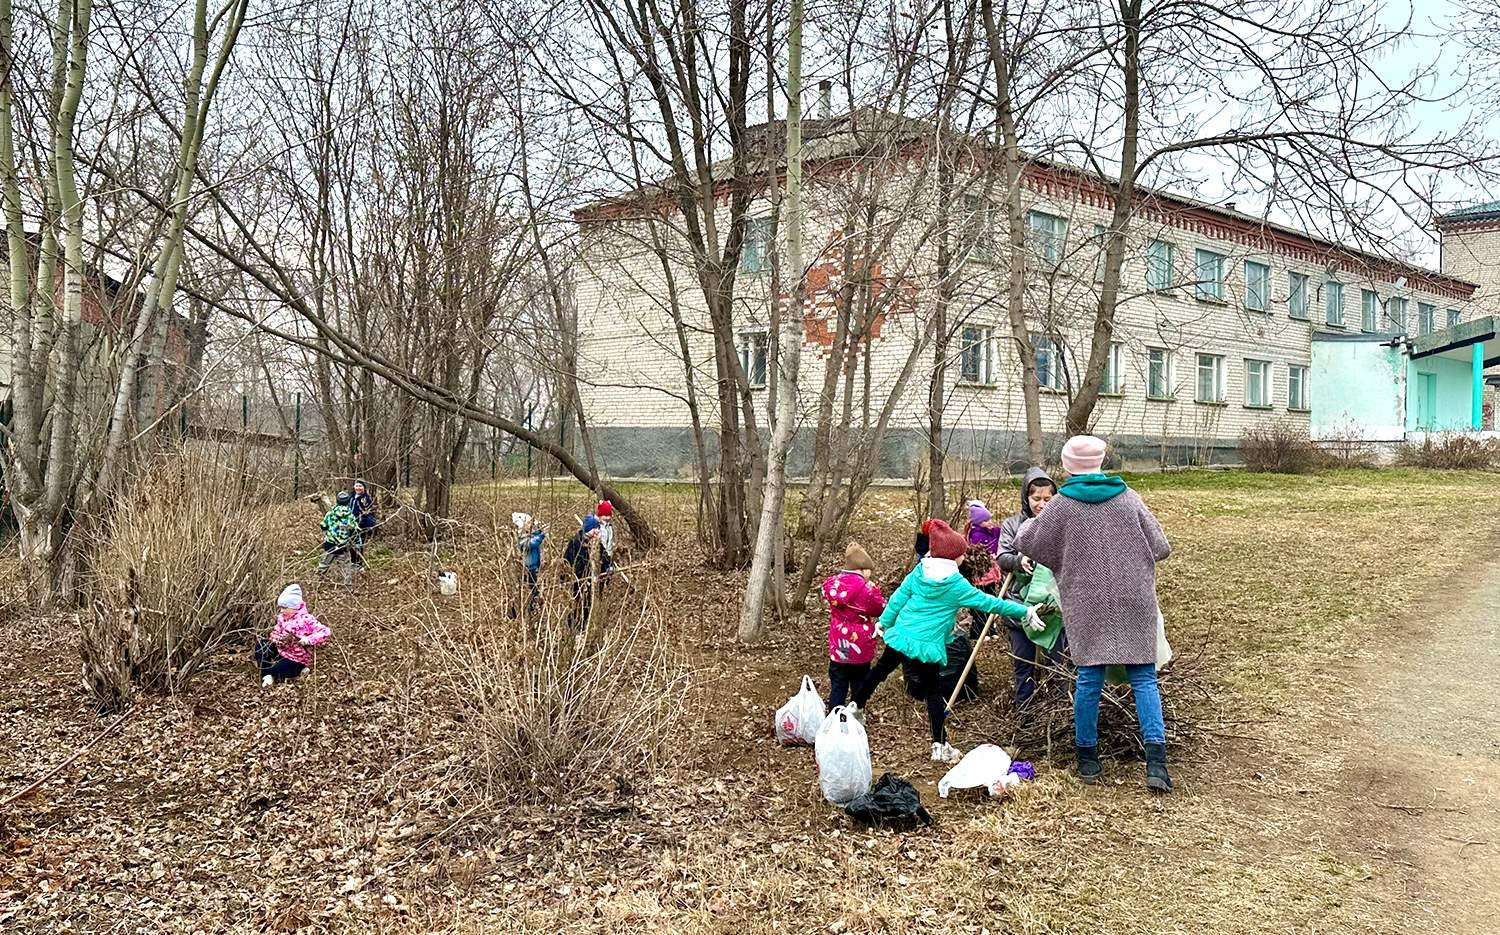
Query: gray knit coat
[[1104, 556]]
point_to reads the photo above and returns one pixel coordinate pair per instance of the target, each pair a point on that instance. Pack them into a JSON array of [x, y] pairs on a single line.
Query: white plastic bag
[[843, 753], [798, 720], [448, 584], [1163, 648], [984, 765]]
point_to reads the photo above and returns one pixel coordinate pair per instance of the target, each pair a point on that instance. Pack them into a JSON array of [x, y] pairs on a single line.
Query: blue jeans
[[1147, 704]]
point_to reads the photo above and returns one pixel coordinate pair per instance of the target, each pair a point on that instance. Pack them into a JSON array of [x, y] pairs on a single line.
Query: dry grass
[[1451, 452], [176, 577], [1274, 586], [546, 713]]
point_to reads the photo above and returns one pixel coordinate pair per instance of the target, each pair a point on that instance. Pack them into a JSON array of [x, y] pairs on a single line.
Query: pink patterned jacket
[[295, 634], [854, 605]]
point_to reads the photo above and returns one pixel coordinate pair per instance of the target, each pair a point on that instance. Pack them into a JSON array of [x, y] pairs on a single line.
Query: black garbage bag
[[958, 656], [892, 803]]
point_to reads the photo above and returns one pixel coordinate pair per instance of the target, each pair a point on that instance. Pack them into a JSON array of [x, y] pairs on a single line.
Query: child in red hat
[[605, 512], [918, 620]]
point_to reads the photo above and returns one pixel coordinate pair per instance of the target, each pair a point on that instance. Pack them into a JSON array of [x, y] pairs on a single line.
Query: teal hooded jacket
[[920, 614]]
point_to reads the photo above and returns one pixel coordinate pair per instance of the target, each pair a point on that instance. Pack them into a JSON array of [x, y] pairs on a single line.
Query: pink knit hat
[[1083, 454]]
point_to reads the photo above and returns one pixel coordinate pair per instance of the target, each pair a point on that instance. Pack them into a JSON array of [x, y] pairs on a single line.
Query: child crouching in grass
[[918, 621], [288, 649]]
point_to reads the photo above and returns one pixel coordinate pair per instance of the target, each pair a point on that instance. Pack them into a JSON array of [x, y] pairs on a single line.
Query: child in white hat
[[288, 650]]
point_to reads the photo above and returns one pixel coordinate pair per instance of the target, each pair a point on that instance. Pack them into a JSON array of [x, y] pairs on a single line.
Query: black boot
[[1157, 779], [1088, 765]]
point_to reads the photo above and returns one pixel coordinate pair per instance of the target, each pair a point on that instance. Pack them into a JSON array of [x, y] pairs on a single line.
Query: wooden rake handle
[[974, 652]]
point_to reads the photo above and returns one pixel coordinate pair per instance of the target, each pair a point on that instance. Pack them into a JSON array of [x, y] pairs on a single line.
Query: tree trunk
[[752, 617]]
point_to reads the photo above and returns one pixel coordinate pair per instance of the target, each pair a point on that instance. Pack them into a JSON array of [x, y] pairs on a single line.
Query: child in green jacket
[[918, 620]]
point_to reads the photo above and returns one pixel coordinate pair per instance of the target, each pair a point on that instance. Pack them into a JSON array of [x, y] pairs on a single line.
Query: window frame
[[1332, 287], [1369, 311], [1055, 364], [1221, 382], [1208, 289], [1304, 384], [1262, 367], [1101, 238], [1399, 325], [1055, 240], [1294, 278], [1113, 382], [1455, 317], [981, 347], [979, 226], [1168, 268], [1264, 293], [761, 245], [748, 347], [1168, 390], [1426, 317]]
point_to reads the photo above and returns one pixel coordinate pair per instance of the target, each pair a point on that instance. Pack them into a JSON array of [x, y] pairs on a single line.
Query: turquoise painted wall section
[[1451, 383], [1358, 391]]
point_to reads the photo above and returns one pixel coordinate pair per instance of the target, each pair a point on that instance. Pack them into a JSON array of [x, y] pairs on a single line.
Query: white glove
[[1033, 621], [304, 640], [879, 632]]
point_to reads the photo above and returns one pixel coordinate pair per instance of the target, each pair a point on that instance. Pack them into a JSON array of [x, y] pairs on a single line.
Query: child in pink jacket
[[854, 607], [288, 650]]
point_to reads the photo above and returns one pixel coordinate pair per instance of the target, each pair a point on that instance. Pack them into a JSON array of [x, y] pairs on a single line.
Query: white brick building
[[1213, 330]]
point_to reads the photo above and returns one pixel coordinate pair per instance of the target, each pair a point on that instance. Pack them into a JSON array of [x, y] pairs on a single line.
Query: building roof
[[864, 132], [1488, 211]]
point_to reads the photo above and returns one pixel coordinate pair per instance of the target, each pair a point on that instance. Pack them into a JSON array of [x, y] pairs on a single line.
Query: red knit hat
[[604, 509], [943, 542]]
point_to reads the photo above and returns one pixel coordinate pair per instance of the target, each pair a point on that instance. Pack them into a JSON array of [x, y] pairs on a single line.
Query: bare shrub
[[1279, 447], [544, 713], [1452, 452], [179, 572], [1345, 447]]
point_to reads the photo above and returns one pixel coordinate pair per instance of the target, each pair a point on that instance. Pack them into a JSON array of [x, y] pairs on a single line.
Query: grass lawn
[[312, 807]]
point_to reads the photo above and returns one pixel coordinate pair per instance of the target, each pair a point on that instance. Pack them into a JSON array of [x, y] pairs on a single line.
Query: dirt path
[[1419, 777]]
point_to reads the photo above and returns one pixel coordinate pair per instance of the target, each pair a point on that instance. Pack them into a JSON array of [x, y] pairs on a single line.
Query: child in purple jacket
[[854, 605]]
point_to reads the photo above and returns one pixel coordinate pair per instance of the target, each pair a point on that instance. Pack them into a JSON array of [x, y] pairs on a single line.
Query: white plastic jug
[[448, 583]]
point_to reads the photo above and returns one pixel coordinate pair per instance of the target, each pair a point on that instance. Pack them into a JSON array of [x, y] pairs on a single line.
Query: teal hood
[[921, 614], [1092, 488]]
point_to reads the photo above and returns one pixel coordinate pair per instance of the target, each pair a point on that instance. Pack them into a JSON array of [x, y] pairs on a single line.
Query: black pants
[[922, 675], [271, 663], [842, 678], [533, 585]]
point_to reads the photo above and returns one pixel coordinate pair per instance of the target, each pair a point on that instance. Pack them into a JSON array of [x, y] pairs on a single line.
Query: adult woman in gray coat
[[1103, 544]]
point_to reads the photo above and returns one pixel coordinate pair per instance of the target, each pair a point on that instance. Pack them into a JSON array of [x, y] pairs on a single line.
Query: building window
[[755, 252], [1158, 373], [1426, 318], [1048, 235], [1101, 237], [1296, 388], [1296, 295], [1452, 317], [1049, 363], [976, 362], [979, 227], [1210, 268], [1369, 311], [1160, 262], [1257, 383], [1114, 370], [753, 356], [1257, 286], [1210, 378], [1395, 314], [1333, 303]]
